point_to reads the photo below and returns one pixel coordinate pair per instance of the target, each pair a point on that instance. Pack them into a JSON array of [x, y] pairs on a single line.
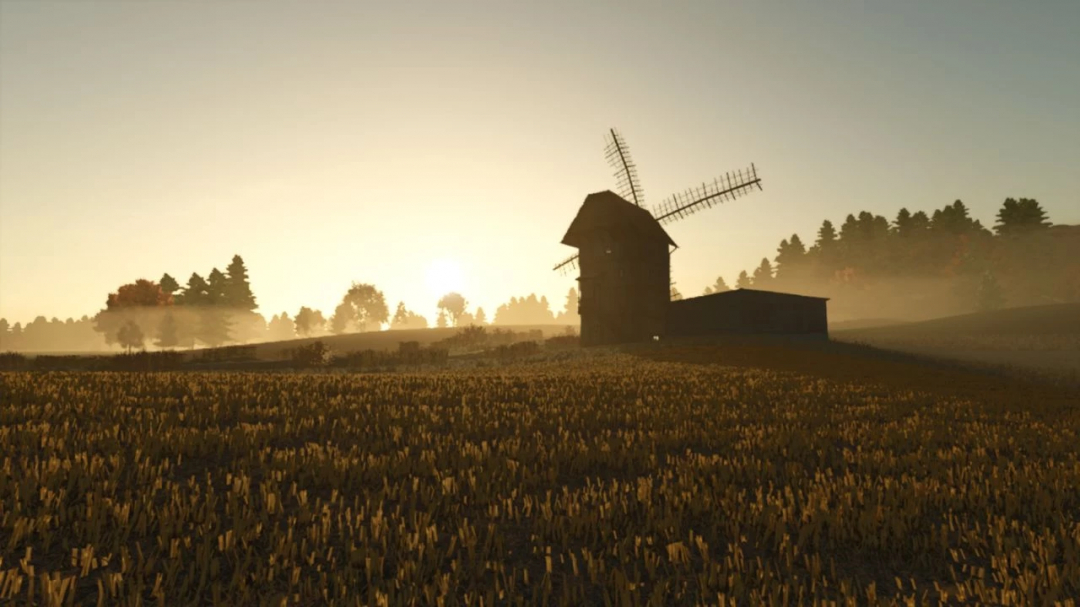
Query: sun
[[445, 276]]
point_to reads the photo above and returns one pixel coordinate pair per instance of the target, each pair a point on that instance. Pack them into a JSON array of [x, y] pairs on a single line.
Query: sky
[[423, 146]]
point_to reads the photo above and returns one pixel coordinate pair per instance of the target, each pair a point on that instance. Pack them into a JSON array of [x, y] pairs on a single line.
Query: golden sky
[[402, 144]]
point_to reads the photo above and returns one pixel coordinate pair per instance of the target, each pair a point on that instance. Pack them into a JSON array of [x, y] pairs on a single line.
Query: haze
[[400, 144]]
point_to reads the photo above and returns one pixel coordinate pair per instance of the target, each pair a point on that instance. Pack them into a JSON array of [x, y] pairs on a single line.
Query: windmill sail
[[626, 177], [567, 264], [728, 187]]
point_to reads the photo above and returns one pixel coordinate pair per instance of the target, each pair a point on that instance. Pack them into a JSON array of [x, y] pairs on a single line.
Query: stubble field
[[617, 479]]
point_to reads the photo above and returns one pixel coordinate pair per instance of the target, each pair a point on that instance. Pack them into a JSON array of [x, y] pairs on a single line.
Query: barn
[[744, 311]]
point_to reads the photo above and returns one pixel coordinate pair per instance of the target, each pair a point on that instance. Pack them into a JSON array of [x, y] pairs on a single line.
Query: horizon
[[424, 149]]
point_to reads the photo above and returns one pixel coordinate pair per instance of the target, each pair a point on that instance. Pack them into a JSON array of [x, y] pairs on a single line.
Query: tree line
[[221, 309], [927, 264]]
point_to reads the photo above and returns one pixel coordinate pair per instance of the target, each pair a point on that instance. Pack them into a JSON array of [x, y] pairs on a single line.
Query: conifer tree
[[168, 284], [238, 293]]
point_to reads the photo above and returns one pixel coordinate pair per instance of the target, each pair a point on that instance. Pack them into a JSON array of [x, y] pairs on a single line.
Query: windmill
[[623, 250], [676, 206]]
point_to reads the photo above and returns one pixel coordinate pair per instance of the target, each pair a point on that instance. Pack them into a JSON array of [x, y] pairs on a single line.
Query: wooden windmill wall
[[624, 283]]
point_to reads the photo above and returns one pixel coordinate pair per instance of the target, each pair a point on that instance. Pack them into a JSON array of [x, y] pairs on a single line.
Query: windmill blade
[[570, 263], [728, 187], [626, 178]]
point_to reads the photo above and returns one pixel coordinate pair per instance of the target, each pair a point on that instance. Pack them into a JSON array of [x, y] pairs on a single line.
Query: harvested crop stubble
[[615, 480]]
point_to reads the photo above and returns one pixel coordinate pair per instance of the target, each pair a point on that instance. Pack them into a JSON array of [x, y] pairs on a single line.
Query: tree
[[341, 319], [717, 287], [675, 295], [441, 322], [167, 335], [1023, 215], [216, 287], [142, 292], [196, 293], [363, 305], [130, 336], [763, 275], [454, 304], [954, 219], [524, 311], [214, 327], [3, 326], [130, 302], [309, 322], [989, 294], [743, 282], [238, 293], [281, 328], [826, 236], [481, 317], [569, 313], [400, 316], [168, 284], [404, 319], [789, 255]]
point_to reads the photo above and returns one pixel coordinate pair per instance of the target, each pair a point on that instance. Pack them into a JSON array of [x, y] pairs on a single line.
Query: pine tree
[[743, 282], [481, 317], [441, 323], [238, 293], [216, 286], [717, 287], [1020, 215], [401, 316], [168, 284], [763, 275], [826, 236], [196, 293]]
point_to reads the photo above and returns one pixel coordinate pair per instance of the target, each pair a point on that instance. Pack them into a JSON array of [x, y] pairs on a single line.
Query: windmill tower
[[624, 252]]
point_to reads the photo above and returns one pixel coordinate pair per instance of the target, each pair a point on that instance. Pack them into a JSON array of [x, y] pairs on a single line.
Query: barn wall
[[747, 312]]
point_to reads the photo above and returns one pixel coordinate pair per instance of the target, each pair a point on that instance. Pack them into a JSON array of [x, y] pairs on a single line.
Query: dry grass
[[743, 474]]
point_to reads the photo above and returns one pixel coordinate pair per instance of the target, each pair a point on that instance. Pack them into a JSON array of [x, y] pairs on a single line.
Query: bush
[[315, 354], [13, 361]]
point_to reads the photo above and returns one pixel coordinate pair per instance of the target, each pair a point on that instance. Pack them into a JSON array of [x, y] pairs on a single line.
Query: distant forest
[[920, 266], [221, 309], [916, 266]]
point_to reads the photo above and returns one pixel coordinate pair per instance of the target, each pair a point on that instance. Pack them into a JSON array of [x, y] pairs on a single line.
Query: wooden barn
[[625, 278], [745, 311]]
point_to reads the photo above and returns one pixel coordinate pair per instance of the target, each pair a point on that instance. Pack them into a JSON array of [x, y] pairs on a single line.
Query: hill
[[1044, 339], [1030, 320]]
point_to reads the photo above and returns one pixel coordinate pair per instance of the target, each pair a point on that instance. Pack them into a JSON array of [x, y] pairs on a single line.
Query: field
[[737, 473], [1043, 340]]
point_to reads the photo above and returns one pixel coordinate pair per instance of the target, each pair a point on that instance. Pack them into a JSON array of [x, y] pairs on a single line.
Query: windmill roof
[[607, 211]]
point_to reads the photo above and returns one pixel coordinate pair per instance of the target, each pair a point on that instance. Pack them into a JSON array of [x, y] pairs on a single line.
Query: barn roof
[[607, 211], [750, 293]]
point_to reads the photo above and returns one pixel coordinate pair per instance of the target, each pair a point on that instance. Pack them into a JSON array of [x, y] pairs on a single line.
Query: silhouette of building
[[744, 311], [625, 285], [625, 279]]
